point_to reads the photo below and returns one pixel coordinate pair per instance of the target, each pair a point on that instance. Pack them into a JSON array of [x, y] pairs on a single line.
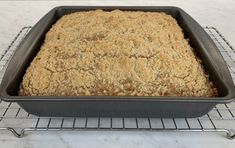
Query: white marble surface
[[15, 15], [90, 139]]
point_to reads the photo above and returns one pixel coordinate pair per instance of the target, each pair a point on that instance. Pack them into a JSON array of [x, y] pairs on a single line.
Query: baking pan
[[118, 106]]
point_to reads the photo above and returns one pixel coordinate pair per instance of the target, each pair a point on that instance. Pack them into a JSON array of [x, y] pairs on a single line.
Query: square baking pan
[[119, 106]]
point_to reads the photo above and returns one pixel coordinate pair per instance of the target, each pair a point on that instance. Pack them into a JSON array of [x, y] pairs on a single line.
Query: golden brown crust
[[116, 53]]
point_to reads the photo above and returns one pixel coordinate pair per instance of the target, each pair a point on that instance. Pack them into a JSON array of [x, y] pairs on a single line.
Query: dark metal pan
[[118, 106]]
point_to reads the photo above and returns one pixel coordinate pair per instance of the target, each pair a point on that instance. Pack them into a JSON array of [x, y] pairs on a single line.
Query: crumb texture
[[116, 53]]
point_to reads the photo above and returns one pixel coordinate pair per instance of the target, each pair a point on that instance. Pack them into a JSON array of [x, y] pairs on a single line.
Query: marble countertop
[[15, 15]]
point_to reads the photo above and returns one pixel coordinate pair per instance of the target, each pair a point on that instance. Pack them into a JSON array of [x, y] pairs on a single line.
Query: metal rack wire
[[219, 119]]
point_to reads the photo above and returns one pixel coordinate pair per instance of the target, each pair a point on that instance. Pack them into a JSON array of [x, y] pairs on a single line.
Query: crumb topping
[[116, 53]]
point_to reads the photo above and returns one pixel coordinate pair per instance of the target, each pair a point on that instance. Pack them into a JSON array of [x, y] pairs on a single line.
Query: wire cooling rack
[[219, 119]]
